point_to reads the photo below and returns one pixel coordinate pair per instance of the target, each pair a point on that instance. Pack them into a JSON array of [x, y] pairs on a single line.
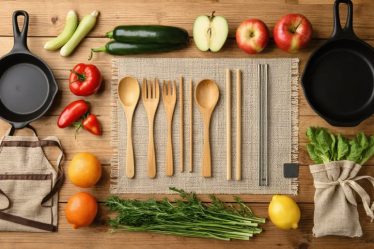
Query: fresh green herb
[[325, 147], [186, 217]]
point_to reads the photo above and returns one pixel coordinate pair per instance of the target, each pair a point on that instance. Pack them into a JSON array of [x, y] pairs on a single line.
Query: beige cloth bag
[[28, 184], [335, 211]]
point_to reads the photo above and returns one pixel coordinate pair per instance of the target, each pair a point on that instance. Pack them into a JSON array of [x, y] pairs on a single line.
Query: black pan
[[27, 85], [338, 80]]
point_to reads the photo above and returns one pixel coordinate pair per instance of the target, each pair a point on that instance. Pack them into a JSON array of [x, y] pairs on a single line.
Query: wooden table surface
[[47, 19]]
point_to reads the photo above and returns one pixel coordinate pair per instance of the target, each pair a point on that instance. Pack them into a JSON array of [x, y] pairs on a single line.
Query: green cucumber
[[84, 27], [71, 24], [120, 48], [149, 34]]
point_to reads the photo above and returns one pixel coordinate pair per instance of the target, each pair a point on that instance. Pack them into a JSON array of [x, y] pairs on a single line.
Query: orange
[[81, 210], [84, 170]]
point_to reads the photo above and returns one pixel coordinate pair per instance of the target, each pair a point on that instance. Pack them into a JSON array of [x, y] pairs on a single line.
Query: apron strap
[[12, 130], [27, 222], [54, 142]]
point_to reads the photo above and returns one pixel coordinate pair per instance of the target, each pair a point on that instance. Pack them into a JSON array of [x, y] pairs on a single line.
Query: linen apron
[[29, 184]]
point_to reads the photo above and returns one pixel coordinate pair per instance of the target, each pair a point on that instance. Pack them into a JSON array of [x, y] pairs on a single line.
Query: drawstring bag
[[29, 184], [335, 210]]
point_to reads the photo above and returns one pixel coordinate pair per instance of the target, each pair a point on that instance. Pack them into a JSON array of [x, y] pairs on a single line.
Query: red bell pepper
[[85, 79], [72, 113], [91, 124]]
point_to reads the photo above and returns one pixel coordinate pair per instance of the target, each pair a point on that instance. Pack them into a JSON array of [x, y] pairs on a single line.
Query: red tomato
[[91, 124], [85, 79], [73, 112]]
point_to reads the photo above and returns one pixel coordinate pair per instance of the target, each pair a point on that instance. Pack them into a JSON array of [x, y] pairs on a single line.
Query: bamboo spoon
[[206, 96], [151, 97], [128, 93], [238, 125], [228, 124]]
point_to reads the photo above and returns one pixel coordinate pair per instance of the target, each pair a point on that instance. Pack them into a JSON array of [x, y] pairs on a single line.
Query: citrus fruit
[[81, 210], [84, 170], [284, 212]]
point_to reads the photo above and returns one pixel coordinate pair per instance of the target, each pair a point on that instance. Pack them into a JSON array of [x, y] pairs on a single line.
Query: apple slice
[[210, 32]]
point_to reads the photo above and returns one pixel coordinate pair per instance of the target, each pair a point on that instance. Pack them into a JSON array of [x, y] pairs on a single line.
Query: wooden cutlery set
[[205, 95]]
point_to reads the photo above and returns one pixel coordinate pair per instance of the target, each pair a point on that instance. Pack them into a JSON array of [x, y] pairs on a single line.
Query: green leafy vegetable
[[325, 147], [186, 217], [342, 148]]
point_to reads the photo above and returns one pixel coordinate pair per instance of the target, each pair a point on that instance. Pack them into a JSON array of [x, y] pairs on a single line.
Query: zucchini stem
[[109, 34], [95, 50]]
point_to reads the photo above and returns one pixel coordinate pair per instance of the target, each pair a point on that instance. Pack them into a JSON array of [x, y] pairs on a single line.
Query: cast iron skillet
[[27, 85], [338, 80]]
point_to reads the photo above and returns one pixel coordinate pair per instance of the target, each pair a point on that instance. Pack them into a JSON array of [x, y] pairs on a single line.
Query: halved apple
[[210, 32]]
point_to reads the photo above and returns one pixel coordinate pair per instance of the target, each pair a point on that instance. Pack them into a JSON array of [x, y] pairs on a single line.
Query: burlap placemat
[[283, 127]]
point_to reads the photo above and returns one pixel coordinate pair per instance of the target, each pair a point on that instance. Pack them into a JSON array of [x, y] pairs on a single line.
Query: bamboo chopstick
[[191, 125], [238, 125], [228, 124], [181, 131]]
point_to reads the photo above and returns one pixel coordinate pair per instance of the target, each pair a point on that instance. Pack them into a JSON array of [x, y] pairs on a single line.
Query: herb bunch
[[186, 217], [325, 147]]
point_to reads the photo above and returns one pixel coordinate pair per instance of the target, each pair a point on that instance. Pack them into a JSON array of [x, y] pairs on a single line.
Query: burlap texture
[[283, 126], [335, 210], [26, 177]]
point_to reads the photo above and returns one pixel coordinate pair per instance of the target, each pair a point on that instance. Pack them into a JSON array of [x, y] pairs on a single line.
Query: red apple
[[292, 32], [252, 36]]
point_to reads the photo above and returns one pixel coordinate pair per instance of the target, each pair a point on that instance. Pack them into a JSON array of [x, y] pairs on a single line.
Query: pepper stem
[[81, 77]]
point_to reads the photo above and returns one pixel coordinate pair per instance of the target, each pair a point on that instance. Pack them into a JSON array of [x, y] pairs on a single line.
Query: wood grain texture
[[47, 20]]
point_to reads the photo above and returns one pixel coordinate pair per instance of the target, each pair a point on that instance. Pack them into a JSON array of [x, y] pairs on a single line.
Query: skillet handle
[[348, 28], [20, 37]]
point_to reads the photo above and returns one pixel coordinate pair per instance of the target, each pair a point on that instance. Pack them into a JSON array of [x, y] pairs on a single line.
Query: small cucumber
[[119, 48], [84, 27], [71, 24], [149, 34]]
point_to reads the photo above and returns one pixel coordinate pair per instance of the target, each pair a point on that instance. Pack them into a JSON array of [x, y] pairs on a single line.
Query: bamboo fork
[[169, 97], [151, 97], [181, 145]]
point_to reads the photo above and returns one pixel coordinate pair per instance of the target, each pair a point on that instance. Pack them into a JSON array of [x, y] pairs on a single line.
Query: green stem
[[109, 34]]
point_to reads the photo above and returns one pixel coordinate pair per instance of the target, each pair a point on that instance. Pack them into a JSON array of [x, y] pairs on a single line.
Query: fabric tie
[[351, 184]]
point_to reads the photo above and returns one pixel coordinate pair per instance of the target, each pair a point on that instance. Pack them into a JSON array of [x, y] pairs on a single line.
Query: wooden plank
[[48, 17], [61, 66], [47, 20], [97, 236], [306, 189]]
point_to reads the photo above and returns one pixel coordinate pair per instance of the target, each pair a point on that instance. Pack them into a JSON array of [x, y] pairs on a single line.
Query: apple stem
[[212, 15], [293, 30]]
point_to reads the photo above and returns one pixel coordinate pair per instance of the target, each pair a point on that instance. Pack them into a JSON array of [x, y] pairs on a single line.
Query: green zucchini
[[120, 48], [149, 34]]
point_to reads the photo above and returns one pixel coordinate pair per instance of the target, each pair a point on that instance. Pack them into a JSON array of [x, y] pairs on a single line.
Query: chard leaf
[[324, 142], [342, 148], [362, 141], [369, 151], [333, 152], [355, 151], [313, 154], [311, 134]]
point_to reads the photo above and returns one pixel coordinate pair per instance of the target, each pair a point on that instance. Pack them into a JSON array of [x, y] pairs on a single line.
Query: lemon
[[284, 212]]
